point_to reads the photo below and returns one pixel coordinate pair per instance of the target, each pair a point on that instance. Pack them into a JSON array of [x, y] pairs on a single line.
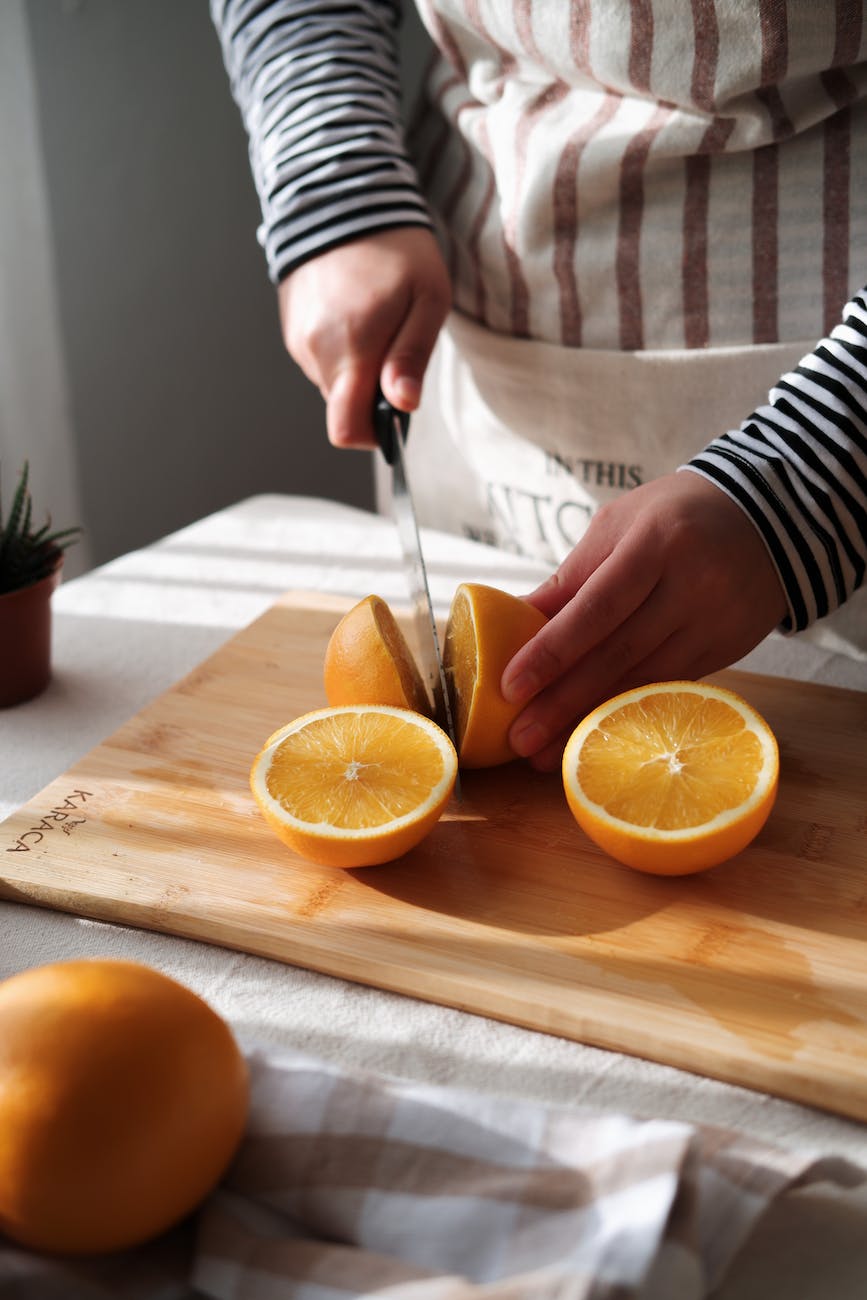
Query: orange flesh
[[671, 762], [459, 661], [354, 777], [401, 655]]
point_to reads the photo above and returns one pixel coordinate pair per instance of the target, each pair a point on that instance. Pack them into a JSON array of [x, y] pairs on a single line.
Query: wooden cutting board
[[755, 973]]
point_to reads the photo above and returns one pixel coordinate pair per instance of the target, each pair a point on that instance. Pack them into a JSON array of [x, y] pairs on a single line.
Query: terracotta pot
[[25, 639]]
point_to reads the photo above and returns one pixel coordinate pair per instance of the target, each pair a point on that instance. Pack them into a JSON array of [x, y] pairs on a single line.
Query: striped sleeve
[[318, 87], [798, 467]]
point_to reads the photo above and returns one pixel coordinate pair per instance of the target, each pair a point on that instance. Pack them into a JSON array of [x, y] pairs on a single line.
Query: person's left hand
[[671, 581]]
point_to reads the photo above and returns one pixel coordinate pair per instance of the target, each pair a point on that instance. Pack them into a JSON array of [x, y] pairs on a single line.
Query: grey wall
[[35, 421], [182, 398]]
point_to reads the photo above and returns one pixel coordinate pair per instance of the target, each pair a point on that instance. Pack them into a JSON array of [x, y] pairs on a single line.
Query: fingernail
[[407, 391], [520, 687], [528, 739]]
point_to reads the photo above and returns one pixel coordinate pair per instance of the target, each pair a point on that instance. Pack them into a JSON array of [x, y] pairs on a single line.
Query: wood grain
[[755, 972]]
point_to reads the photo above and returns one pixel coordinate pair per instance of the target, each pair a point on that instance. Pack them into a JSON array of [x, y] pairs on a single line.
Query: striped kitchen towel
[[358, 1186], [353, 1186]]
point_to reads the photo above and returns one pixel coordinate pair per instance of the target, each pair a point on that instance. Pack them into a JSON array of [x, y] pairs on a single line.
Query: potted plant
[[31, 560]]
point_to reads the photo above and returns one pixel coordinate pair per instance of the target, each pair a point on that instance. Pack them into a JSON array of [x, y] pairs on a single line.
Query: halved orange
[[485, 628], [368, 661], [672, 778], [356, 785]]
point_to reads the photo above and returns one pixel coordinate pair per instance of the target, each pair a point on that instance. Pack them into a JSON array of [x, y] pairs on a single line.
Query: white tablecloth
[[128, 630]]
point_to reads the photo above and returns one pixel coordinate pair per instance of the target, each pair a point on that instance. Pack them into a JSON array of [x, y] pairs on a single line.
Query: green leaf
[[26, 555]]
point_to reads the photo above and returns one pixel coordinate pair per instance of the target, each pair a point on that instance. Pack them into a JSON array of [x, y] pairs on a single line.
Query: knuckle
[[547, 661], [606, 522], [620, 656], [409, 359], [600, 613], [602, 515], [437, 296]]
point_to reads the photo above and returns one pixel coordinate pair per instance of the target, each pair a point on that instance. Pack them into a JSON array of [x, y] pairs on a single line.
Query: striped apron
[[650, 214]]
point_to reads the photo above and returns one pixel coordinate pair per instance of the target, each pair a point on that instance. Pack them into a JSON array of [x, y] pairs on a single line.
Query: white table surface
[[127, 631]]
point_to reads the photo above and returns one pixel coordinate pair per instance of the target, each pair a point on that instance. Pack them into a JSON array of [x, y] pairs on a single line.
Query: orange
[[368, 661], [672, 778], [123, 1097], [354, 786], [485, 628]]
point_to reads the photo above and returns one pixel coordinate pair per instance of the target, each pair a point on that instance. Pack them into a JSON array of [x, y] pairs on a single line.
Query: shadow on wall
[[180, 397]]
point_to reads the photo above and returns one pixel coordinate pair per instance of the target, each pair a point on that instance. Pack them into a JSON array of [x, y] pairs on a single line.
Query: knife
[[392, 427]]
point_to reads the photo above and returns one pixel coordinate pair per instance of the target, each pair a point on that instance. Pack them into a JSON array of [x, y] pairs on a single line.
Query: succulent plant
[[28, 554]]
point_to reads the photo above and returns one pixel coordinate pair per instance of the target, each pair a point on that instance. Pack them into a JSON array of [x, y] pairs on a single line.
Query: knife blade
[[392, 428]]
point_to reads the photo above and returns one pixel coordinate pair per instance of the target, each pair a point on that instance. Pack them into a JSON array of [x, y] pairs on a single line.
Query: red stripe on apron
[[696, 311], [479, 225], [529, 119], [641, 44], [704, 64], [631, 189], [696, 296], [579, 33], [458, 190], [773, 17], [459, 187], [566, 220], [765, 213], [631, 205], [522, 11], [473, 10]]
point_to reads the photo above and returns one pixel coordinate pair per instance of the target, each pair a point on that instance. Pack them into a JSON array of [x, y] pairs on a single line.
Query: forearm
[[798, 467], [318, 88]]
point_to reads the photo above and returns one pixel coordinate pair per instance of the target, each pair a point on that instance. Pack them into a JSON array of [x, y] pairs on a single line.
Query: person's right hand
[[364, 314]]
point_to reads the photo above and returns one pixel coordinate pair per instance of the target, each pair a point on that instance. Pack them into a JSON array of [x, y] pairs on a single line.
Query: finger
[[605, 602], [551, 595], [550, 758], [349, 405], [653, 638], [604, 533], [666, 664], [408, 355], [681, 657], [555, 592]]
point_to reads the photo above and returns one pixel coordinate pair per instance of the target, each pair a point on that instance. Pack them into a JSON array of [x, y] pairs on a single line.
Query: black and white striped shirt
[[782, 139], [798, 466], [319, 91]]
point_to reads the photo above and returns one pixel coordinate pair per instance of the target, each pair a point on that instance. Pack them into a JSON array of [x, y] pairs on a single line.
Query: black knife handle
[[384, 425]]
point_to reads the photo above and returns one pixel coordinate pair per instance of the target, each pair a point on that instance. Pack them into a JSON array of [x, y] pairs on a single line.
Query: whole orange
[[123, 1097]]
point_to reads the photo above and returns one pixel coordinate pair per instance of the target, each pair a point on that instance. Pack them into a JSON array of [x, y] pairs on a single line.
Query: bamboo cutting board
[[755, 972]]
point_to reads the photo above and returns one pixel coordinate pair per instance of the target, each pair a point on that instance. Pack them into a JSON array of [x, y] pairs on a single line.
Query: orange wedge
[[672, 778], [368, 661], [485, 628], [354, 786]]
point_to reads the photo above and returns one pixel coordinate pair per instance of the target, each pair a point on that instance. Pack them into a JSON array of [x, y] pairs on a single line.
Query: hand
[[365, 313], [670, 581]]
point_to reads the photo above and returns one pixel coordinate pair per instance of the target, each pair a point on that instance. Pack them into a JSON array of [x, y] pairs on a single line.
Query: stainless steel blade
[[430, 655]]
